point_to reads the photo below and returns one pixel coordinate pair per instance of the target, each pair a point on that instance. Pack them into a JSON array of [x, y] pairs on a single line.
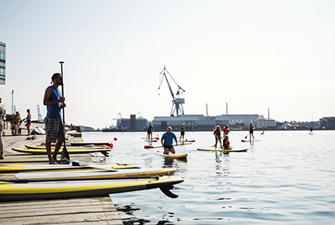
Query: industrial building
[[327, 123], [294, 125], [203, 123], [131, 123]]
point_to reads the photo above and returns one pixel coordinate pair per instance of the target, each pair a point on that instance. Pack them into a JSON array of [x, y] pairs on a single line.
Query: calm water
[[287, 177]]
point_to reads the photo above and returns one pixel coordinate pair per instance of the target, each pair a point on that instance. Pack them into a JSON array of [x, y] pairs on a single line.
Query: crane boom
[[167, 81], [176, 100]]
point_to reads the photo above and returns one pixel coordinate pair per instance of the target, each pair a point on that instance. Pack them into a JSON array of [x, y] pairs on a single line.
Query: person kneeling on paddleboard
[[167, 141], [226, 143]]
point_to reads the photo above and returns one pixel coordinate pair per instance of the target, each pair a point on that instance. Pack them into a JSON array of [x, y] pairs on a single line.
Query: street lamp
[[12, 101]]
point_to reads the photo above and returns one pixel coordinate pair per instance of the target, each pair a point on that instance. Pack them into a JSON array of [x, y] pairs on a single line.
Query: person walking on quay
[[17, 122], [2, 113], [54, 126], [167, 141], [28, 119]]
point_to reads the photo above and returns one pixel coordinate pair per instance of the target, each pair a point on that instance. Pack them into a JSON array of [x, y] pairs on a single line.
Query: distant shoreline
[[115, 131]]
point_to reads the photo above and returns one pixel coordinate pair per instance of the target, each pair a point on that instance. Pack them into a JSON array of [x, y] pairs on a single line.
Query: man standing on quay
[[28, 119], [54, 126]]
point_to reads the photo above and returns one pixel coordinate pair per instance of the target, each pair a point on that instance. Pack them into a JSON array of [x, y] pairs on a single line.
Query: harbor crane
[[177, 99]]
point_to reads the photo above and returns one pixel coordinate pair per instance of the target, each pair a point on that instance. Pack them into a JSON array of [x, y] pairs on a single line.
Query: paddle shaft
[[149, 146], [65, 154]]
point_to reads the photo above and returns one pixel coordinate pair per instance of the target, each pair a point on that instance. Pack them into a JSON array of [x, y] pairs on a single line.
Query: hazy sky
[[253, 55]]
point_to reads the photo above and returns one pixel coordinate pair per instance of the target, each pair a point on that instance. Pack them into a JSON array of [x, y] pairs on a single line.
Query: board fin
[[167, 192], [105, 153]]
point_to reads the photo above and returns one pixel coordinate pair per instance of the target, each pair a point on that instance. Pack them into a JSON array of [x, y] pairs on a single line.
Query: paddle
[[79, 163], [65, 154], [149, 146]]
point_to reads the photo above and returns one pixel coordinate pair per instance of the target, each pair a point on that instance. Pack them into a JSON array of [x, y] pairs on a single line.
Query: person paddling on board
[[226, 143], [150, 130], [310, 129], [54, 125], [167, 141], [182, 132], [217, 134], [251, 131], [225, 130]]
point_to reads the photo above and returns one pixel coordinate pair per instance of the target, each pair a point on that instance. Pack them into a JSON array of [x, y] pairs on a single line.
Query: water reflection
[[281, 178], [127, 209]]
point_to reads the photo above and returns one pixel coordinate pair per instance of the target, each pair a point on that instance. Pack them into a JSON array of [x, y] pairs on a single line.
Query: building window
[[2, 56], [2, 71]]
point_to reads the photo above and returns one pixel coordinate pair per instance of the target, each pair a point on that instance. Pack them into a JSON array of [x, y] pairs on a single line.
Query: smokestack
[[206, 109], [226, 108], [268, 114]]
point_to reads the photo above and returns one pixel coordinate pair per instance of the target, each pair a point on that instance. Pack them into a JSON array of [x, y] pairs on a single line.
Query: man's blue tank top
[[54, 111], [168, 138]]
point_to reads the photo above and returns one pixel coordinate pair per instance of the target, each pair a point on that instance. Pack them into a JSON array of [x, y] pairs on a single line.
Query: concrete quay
[[60, 211]]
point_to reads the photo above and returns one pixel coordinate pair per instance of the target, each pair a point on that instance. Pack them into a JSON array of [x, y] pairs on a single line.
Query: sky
[[253, 55]]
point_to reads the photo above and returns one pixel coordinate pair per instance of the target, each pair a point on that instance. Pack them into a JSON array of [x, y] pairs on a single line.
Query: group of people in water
[[169, 136], [225, 144], [151, 129]]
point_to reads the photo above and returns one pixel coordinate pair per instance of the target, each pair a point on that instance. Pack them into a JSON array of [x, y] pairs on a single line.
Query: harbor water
[[288, 177]]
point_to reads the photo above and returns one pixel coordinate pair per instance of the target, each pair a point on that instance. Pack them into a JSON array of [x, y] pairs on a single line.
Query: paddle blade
[[148, 146], [65, 154]]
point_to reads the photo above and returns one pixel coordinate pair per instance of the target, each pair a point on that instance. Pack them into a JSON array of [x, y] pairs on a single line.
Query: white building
[[201, 122]]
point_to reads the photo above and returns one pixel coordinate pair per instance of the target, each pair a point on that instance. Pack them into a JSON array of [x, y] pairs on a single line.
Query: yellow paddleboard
[[14, 168], [79, 189], [85, 175], [69, 150], [223, 150]]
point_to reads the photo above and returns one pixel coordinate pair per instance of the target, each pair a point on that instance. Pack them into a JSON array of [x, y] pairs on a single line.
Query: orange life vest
[[226, 130]]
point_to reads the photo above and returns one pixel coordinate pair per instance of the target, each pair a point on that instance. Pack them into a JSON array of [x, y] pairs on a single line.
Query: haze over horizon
[[253, 55]]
